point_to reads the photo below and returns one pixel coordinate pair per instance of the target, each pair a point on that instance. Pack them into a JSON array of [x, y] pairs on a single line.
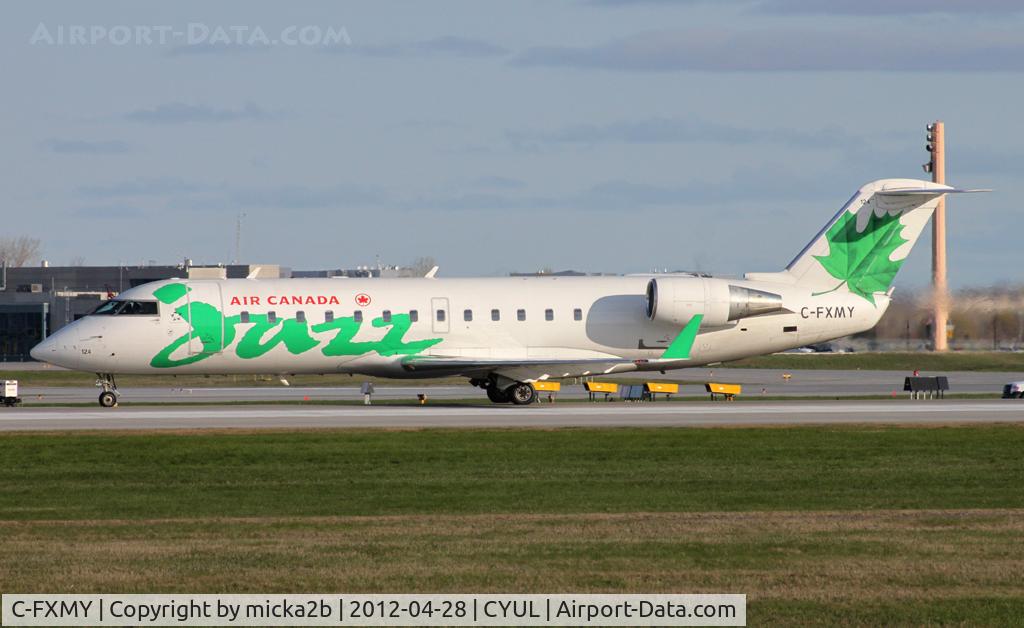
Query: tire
[[108, 399], [497, 395], [521, 394]]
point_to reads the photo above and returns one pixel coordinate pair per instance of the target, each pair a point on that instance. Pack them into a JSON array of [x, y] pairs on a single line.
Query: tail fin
[[862, 248]]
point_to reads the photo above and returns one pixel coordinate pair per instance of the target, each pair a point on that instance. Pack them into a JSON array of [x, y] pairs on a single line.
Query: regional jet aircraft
[[504, 334]]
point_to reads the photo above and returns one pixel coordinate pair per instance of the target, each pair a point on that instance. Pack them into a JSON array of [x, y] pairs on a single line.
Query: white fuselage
[[379, 326]]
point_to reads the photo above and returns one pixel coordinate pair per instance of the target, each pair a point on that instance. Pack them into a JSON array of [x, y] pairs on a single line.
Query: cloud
[[109, 211], [303, 197], [664, 3], [448, 45], [679, 130], [86, 147], [163, 186], [790, 50], [977, 160], [185, 50], [181, 113], [750, 184], [889, 7], [499, 183], [177, 193], [494, 193], [839, 7]]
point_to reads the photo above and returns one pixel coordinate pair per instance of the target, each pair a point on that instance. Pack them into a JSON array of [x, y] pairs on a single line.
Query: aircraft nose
[[43, 350]]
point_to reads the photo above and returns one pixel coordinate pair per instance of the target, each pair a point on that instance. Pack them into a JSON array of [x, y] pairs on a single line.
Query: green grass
[[332, 473], [990, 361], [851, 525]]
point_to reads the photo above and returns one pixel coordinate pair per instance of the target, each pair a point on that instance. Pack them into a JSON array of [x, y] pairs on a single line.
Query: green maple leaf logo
[[860, 259]]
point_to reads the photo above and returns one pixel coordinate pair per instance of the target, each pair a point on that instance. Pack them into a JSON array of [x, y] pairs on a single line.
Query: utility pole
[[940, 290], [238, 237]]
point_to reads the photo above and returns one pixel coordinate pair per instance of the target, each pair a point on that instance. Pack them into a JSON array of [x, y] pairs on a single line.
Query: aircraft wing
[[528, 369], [518, 369]]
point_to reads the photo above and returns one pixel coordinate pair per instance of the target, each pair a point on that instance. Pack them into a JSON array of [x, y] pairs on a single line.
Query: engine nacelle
[[676, 300]]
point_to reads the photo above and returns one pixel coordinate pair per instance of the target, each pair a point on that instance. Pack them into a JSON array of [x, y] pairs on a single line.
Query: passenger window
[[521, 315], [386, 315], [577, 314], [328, 316], [467, 315], [271, 317], [414, 316], [495, 315], [358, 316], [440, 316], [243, 318], [549, 315], [300, 317]]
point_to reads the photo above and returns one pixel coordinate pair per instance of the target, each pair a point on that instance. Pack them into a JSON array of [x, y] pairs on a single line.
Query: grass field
[[817, 525]]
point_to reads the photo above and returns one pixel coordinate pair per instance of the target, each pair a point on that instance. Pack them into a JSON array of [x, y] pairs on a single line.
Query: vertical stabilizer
[[863, 247]]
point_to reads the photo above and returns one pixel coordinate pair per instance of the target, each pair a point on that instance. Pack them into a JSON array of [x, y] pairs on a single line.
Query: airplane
[[505, 334]]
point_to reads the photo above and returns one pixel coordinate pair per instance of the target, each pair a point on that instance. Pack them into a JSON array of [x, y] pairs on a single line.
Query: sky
[[599, 135]]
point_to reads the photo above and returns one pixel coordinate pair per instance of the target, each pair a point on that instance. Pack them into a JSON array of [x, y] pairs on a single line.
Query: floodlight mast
[[936, 147]]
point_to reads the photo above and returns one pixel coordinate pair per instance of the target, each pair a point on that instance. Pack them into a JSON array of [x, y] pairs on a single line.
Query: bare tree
[[78, 260], [19, 251], [420, 266]]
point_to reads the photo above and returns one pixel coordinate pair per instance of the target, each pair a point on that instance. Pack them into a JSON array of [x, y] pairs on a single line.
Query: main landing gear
[[519, 393], [108, 398], [496, 395]]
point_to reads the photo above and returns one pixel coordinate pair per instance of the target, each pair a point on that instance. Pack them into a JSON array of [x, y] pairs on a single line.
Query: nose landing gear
[[108, 398]]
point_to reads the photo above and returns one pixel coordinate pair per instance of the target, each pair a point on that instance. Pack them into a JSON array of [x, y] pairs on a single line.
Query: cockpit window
[[117, 307]]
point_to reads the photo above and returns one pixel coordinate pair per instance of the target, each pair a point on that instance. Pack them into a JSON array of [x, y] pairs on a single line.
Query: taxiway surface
[[658, 414], [769, 382]]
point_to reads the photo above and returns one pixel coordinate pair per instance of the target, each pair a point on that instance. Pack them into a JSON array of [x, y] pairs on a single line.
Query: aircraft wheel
[[497, 395], [521, 394], [108, 399]]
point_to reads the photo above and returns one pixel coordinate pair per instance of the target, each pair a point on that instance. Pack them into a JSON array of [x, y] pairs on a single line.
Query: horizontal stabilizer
[[927, 191]]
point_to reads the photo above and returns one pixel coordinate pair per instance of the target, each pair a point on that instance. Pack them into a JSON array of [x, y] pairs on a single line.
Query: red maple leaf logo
[[362, 299]]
